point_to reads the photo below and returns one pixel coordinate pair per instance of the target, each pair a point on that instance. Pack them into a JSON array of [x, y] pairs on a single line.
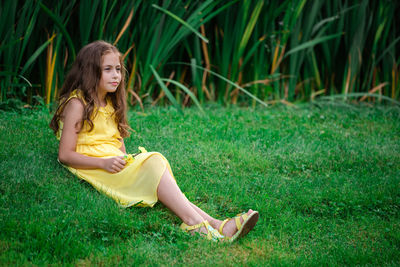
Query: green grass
[[325, 181]]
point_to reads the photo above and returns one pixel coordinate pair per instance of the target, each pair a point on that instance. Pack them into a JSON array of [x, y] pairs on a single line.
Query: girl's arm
[[122, 148], [73, 114]]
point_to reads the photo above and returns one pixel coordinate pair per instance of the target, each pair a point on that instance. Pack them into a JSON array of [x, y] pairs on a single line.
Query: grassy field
[[325, 181]]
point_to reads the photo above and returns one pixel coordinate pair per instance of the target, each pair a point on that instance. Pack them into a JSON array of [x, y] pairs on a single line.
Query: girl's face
[[110, 74]]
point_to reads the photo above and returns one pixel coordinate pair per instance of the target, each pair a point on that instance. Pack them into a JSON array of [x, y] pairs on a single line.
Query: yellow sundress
[[137, 183]]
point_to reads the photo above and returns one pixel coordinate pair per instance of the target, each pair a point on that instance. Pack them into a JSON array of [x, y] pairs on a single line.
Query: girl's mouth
[[114, 83]]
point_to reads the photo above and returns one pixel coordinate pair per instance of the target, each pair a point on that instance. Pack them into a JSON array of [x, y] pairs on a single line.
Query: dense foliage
[[269, 51]]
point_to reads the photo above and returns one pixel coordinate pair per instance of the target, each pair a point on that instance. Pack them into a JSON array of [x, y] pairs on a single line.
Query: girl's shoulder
[[71, 112], [75, 104], [73, 108], [76, 94], [75, 100]]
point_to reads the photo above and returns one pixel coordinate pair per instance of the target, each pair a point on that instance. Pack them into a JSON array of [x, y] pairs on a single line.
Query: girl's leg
[[172, 197], [213, 222]]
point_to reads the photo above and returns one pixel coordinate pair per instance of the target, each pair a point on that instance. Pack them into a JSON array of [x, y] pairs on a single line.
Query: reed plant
[[269, 51]]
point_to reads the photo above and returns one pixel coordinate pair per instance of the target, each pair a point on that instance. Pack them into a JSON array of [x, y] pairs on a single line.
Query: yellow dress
[[137, 183]]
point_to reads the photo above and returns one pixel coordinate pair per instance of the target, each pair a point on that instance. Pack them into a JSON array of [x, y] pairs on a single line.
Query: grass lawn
[[325, 181]]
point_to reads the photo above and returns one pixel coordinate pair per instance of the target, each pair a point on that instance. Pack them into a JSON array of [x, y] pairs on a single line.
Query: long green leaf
[[390, 46], [184, 23], [345, 96], [312, 43], [11, 44], [187, 91], [317, 26], [61, 27], [250, 27], [35, 55], [226, 80], [28, 33], [87, 15], [219, 10], [166, 91]]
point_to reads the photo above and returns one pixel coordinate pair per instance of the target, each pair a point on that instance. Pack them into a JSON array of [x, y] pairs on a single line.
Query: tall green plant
[[276, 51], [16, 27], [232, 32], [171, 23]]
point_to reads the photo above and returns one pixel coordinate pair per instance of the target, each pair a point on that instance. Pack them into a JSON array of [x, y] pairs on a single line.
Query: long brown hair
[[85, 75]]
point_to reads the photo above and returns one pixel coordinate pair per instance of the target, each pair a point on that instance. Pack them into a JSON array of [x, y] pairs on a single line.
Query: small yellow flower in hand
[[129, 158]]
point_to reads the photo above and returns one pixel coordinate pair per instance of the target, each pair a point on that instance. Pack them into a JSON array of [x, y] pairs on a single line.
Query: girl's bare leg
[[172, 197], [213, 222]]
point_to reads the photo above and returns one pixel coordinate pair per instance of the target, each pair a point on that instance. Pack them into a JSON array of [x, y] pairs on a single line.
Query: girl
[[91, 123]]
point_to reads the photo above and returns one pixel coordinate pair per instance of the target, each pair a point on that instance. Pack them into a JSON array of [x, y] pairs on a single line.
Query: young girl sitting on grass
[[91, 123]]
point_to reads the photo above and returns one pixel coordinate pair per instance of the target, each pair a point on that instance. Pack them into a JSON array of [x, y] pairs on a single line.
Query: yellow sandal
[[212, 234], [249, 221]]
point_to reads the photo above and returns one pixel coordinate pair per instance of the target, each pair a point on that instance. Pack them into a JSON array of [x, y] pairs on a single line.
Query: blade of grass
[[166, 90], [187, 91]]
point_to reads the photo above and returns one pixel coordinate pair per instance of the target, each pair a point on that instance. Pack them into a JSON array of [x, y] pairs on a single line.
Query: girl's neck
[[101, 99]]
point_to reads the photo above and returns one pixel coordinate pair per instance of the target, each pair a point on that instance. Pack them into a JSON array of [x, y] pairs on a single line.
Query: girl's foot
[[239, 226]]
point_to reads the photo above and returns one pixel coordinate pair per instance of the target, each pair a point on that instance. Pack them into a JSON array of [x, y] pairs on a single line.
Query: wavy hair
[[85, 75]]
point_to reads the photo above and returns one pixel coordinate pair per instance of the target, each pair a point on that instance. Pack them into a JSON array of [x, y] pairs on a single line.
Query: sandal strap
[[237, 219], [188, 228], [222, 226], [212, 234]]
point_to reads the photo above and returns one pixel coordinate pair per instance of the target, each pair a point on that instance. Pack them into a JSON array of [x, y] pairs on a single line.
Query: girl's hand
[[114, 164]]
